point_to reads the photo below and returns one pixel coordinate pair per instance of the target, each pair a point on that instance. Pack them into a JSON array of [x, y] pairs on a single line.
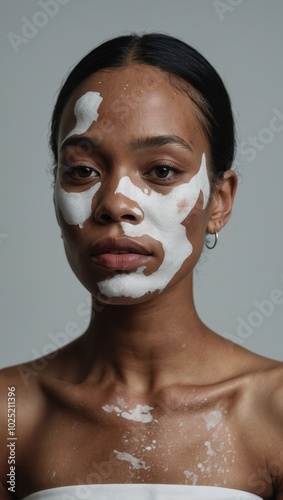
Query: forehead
[[139, 99]]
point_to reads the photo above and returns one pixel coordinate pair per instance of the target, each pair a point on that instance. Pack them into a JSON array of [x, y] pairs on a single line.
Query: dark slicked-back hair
[[194, 73]]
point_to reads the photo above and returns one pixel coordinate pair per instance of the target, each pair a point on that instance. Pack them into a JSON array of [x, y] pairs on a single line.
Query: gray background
[[41, 301]]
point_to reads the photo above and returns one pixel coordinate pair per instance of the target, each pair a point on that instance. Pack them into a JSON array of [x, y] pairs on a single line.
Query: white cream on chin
[[86, 112], [163, 217]]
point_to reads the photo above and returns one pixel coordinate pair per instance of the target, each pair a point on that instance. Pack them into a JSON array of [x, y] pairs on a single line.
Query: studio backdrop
[[239, 284]]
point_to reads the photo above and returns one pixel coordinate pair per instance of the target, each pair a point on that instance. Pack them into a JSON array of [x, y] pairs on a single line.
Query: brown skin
[[154, 350]]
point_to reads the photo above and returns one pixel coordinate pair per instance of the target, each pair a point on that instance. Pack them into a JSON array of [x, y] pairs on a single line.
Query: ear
[[55, 169], [222, 202]]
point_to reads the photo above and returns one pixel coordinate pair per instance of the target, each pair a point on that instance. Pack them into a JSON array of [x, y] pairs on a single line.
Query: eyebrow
[[139, 143], [81, 141], [159, 141]]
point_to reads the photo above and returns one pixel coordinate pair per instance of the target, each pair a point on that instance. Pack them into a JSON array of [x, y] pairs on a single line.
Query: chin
[[121, 301], [131, 286]]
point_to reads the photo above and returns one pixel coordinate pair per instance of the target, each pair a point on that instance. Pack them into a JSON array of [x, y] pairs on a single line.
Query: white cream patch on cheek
[[76, 208], [86, 112], [137, 211], [162, 221]]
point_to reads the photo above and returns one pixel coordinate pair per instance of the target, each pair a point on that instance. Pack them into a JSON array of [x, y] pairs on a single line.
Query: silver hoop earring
[[215, 241]]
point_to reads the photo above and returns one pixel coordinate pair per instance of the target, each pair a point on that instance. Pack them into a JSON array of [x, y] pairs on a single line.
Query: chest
[[145, 446]]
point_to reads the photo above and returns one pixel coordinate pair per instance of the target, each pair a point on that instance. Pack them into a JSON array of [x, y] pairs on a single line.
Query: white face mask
[[163, 217], [162, 221]]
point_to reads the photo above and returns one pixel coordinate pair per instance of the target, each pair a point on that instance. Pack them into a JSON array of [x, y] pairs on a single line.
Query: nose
[[116, 207]]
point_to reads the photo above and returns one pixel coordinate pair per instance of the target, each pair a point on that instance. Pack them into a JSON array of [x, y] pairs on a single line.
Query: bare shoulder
[[19, 396], [18, 377], [17, 413], [268, 390], [29, 381], [24, 405], [260, 383], [263, 421], [263, 381], [30, 378]]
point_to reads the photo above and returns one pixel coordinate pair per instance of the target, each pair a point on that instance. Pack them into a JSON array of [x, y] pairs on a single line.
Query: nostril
[[125, 217], [117, 209], [106, 217], [128, 217]]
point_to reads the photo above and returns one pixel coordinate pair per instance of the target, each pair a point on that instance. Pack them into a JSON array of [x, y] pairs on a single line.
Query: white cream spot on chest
[[212, 419], [152, 446], [136, 463], [141, 413], [192, 476], [209, 449]]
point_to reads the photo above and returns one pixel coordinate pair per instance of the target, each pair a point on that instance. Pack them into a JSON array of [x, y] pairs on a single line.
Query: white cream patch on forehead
[[76, 208], [86, 112], [162, 221]]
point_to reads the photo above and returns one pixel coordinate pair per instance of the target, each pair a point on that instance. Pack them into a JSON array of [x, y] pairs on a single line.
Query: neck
[[144, 346]]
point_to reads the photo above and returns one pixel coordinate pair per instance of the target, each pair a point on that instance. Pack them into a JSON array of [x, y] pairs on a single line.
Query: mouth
[[120, 254]]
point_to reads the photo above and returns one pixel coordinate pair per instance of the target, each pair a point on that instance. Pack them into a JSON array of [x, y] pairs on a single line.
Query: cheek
[[75, 208], [159, 250], [195, 216], [165, 216], [182, 207]]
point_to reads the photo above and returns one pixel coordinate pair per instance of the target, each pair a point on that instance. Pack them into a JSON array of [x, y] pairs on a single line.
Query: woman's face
[[132, 187]]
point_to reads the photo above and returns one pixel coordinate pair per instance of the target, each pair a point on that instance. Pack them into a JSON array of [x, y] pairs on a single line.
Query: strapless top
[[141, 492]]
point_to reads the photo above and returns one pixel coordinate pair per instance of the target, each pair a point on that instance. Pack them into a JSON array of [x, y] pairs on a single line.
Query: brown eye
[[163, 172], [83, 172]]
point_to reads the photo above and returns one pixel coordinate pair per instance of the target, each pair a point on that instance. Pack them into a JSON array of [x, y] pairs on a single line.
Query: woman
[[149, 402]]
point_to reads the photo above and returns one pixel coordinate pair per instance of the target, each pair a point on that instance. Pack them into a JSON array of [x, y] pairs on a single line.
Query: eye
[[165, 172], [81, 173]]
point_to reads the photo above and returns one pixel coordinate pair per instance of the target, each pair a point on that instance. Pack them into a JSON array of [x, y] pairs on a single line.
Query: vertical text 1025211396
[[11, 439]]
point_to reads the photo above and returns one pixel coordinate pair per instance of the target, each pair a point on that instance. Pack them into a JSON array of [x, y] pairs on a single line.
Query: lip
[[120, 254], [125, 245]]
